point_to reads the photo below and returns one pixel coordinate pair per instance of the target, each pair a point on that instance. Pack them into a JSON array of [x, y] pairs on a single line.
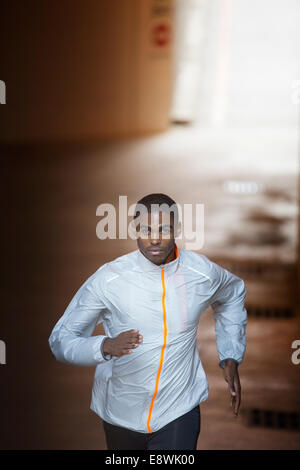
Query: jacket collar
[[169, 268]]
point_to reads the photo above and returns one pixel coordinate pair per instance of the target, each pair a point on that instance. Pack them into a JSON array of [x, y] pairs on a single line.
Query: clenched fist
[[123, 343]]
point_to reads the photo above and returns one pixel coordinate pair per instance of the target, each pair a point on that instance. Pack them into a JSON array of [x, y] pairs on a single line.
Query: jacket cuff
[[107, 357], [222, 363]]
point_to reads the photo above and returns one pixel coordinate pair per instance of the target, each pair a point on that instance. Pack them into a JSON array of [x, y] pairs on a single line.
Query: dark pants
[[180, 434]]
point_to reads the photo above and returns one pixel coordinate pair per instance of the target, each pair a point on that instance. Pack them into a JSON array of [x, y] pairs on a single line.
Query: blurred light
[[190, 26], [242, 187]]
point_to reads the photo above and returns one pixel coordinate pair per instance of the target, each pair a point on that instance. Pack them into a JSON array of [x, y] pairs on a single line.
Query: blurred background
[[197, 99]]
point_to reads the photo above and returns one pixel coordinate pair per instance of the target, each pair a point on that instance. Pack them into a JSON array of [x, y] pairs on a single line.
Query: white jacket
[[163, 377]]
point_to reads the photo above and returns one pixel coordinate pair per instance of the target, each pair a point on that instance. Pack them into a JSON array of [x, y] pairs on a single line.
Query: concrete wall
[[85, 69]]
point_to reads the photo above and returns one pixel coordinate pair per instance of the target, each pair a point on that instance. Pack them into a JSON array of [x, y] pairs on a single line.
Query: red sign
[[161, 34]]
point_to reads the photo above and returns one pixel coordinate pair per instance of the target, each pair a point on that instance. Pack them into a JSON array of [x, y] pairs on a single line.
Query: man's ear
[[177, 231]]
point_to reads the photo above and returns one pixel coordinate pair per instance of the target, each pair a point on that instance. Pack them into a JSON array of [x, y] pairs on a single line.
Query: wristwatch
[[107, 357]]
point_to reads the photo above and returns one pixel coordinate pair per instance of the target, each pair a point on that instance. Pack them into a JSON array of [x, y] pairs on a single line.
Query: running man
[[149, 380]]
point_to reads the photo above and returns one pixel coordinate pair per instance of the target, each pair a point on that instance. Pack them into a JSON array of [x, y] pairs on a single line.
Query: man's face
[[156, 236]]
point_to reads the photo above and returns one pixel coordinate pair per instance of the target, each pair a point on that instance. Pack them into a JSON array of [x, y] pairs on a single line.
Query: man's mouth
[[155, 251]]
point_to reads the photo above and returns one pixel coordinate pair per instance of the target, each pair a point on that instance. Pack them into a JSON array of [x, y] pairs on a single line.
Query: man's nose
[[155, 241]]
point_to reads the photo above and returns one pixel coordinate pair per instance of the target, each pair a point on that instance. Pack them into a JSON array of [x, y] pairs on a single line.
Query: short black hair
[[159, 199]]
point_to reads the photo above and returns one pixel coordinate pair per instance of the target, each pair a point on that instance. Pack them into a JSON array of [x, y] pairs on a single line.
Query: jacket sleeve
[[70, 340], [230, 316]]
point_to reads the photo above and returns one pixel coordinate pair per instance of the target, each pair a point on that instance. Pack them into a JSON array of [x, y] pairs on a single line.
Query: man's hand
[[231, 376], [123, 343]]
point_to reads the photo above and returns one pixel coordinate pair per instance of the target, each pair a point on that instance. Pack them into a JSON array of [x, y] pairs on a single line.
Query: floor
[[49, 202]]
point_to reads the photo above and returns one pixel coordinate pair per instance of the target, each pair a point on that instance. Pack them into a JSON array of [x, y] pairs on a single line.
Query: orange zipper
[[164, 344]]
